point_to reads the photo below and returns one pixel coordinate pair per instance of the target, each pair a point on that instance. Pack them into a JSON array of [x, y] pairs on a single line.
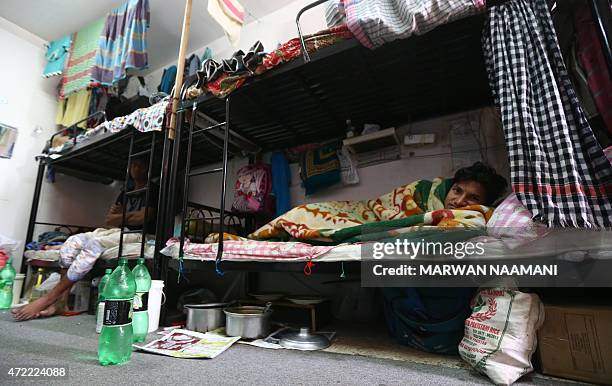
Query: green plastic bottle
[[100, 309], [141, 301], [115, 342], [7, 277]]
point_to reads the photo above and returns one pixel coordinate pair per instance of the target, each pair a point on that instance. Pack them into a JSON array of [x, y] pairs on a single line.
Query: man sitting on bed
[[79, 253]]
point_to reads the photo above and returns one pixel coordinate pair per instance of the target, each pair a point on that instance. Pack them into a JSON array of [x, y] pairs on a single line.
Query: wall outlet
[[419, 139]]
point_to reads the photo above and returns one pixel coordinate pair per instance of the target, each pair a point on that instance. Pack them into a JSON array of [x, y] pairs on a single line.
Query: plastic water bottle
[[115, 342], [7, 277], [100, 309], [141, 301]]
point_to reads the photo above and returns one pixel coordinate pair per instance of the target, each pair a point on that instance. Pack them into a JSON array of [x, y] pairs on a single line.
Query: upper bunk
[[103, 154], [438, 73]]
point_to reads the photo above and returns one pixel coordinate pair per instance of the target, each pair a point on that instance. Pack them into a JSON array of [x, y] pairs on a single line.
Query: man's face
[[138, 169], [465, 193]]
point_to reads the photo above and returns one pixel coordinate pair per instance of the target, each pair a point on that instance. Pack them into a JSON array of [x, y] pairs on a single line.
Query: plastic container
[[17, 287], [155, 302]]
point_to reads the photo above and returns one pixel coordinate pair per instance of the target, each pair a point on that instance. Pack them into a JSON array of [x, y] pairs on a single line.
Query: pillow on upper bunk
[[511, 222]]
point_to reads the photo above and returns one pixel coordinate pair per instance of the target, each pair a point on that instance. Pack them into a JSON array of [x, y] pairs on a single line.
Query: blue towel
[[281, 178], [57, 53]]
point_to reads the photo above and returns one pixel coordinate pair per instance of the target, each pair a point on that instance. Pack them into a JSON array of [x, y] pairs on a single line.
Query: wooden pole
[[178, 83]]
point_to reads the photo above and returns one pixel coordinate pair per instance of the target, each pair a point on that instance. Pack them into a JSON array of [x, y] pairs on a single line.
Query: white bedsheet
[[131, 250]]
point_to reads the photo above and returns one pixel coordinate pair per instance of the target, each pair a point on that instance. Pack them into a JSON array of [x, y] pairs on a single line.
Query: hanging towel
[[558, 169], [74, 108], [82, 58], [57, 53], [230, 16], [123, 43], [281, 178]]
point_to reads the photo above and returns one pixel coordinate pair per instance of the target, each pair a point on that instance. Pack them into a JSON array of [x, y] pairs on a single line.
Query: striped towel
[[123, 42], [82, 58]]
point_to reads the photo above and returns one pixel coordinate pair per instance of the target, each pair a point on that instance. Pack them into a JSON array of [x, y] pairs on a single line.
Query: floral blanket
[[408, 208]]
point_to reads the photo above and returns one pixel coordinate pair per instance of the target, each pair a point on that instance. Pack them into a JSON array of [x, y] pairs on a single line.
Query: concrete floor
[[72, 342]]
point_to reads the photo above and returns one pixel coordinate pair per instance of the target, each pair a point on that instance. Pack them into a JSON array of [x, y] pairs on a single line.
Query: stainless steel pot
[[205, 317], [250, 322]]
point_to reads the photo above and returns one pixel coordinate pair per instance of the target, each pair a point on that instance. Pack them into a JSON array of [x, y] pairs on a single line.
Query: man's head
[[478, 184], [139, 168]]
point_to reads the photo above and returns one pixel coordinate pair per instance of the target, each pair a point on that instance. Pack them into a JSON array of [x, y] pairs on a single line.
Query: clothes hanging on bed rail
[[558, 169]]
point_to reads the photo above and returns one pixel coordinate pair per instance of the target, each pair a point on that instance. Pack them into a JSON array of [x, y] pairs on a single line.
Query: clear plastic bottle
[[36, 292], [350, 129], [115, 341]]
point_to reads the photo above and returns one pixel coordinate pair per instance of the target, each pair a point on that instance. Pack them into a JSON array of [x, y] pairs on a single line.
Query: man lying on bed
[[79, 253], [459, 202]]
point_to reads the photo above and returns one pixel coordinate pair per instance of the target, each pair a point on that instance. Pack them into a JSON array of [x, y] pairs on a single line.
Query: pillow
[[511, 222]]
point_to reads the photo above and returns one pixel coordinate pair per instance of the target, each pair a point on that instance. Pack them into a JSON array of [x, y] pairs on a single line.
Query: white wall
[[424, 162], [28, 100], [271, 30]]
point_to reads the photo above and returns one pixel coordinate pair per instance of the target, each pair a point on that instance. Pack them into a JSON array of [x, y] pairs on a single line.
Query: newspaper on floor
[[180, 343]]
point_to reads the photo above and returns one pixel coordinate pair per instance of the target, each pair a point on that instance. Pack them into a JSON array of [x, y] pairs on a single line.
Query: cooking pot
[[249, 322], [205, 317]]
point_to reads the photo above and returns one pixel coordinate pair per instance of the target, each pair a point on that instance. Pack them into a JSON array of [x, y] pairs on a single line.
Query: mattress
[[131, 250], [565, 244]]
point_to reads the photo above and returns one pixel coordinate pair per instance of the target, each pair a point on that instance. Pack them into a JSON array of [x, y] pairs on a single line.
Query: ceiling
[[51, 19]]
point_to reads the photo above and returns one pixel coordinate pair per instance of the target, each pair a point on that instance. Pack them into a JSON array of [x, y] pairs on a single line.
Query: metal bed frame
[[111, 149], [308, 97]]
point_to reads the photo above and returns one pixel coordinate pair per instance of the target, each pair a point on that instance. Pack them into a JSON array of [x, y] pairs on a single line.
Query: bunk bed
[[306, 101], [303, 101], [102, 155]]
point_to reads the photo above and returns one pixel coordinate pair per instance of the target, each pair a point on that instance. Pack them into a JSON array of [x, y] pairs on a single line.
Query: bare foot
[[31, 311], [52, 247], [49, 311]]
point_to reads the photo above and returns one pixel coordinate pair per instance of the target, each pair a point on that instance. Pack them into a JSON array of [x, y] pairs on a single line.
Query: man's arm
[[131, 218]]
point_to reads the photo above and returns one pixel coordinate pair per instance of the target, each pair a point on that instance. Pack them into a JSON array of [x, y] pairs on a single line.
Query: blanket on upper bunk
[[376, 22], [418, 206]]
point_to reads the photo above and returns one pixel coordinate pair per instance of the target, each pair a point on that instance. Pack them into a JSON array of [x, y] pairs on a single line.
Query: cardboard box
[[575, 342]]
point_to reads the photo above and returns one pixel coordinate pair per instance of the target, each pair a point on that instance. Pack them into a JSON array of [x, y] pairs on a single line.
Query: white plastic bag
[[348, 167], [500, 334]]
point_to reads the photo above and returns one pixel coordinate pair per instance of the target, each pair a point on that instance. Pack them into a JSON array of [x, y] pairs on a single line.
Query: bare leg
[[45, 305]]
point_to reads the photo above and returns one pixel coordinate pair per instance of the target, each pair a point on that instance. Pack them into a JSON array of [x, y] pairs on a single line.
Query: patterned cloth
[[511, 222], [57, 53], [376, 22], [82, 58], [292, 49], [144, 119], [558, 170], [592, 59], [319, 169], [123, 42], [80, 252], [405, 209], [248, 250]]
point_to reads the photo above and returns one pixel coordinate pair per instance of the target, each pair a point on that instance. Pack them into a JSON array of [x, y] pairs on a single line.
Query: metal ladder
[[189, 174], [126, 194]]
